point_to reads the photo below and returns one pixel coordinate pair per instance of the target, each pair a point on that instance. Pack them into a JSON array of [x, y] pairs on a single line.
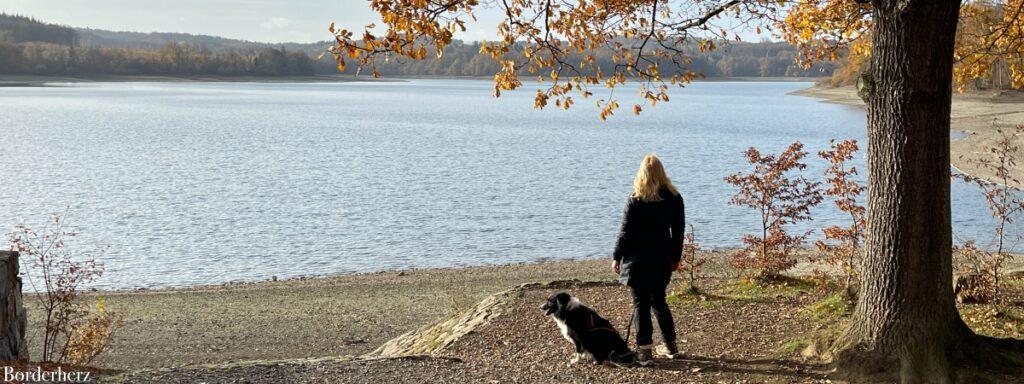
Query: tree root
[[971, 359], [981, 359], [861, 364]]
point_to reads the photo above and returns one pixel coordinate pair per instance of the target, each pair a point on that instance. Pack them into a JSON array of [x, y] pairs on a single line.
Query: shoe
[[644, 355], [669, 350]]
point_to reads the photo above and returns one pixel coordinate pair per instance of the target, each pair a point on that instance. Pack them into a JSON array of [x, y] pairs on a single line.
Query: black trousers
[[647, 298]]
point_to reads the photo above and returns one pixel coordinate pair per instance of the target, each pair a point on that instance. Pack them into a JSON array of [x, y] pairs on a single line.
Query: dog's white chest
[[563, 328]]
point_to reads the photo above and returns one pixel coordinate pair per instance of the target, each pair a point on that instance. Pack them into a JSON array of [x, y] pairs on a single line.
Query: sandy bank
[[330, 316], [978, 115]]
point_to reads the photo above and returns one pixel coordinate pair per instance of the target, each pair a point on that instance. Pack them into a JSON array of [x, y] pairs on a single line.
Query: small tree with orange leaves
[[782, 199], [843, 190], [1004, 197]]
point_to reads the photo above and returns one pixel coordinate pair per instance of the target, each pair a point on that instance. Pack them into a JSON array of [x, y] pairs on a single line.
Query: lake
[[204, 183]]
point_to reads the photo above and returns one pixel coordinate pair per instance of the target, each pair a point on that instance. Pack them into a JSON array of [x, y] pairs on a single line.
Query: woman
[[648, 250]]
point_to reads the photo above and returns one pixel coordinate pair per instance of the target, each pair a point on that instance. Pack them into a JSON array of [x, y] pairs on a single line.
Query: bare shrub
[[73, 332], [691, 261]]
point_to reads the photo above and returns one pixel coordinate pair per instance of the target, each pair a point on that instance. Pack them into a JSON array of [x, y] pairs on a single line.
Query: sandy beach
[[302, 318], [978, 115]]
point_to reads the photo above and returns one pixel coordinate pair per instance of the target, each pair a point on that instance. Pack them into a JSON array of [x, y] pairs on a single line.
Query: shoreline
[[242, 284], [7, 80], [976, 115]]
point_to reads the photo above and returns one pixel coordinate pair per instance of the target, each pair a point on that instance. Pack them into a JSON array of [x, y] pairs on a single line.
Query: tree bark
[[13, 317], [906, 321]]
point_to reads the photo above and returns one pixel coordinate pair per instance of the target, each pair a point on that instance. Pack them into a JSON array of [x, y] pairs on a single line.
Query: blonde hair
[[650, 179]]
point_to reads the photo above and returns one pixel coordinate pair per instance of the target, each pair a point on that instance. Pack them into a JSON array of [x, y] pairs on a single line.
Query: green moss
[[794, 345], [830, 308]]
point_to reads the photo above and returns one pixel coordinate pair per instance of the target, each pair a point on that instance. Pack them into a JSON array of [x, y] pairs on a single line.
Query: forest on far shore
[[29, 46]]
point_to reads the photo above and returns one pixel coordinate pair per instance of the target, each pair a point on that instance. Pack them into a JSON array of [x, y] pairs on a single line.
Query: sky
[[272, 21]]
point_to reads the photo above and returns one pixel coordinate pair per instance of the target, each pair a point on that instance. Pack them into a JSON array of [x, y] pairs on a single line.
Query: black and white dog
[[589, 333]]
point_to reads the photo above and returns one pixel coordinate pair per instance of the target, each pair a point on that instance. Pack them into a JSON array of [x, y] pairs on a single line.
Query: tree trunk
[[12, 312], [906, 321]]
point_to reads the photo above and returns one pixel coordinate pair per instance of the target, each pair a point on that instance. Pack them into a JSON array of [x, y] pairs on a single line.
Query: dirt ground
[[737, 332], [330, 316], [978, 115]]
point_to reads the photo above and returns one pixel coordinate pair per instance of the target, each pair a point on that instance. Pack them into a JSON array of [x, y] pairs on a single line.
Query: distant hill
[[98, 38], [31, 46], [21, 29]]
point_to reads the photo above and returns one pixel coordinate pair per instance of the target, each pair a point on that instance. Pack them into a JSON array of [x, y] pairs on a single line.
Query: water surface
[[202, 183]]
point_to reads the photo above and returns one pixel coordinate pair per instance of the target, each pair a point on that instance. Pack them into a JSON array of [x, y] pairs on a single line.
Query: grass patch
[[690, 298], [762, 290], [830, 308], [1016, 282]]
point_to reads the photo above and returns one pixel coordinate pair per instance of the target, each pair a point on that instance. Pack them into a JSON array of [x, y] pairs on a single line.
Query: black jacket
[[651, 239]]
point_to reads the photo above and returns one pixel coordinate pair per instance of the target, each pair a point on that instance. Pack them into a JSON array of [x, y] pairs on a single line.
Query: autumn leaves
[[413, 28], [654, 41], [989, 37], [555, 42]]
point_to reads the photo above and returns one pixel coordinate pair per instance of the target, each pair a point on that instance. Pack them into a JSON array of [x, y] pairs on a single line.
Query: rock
[[432, 339]]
